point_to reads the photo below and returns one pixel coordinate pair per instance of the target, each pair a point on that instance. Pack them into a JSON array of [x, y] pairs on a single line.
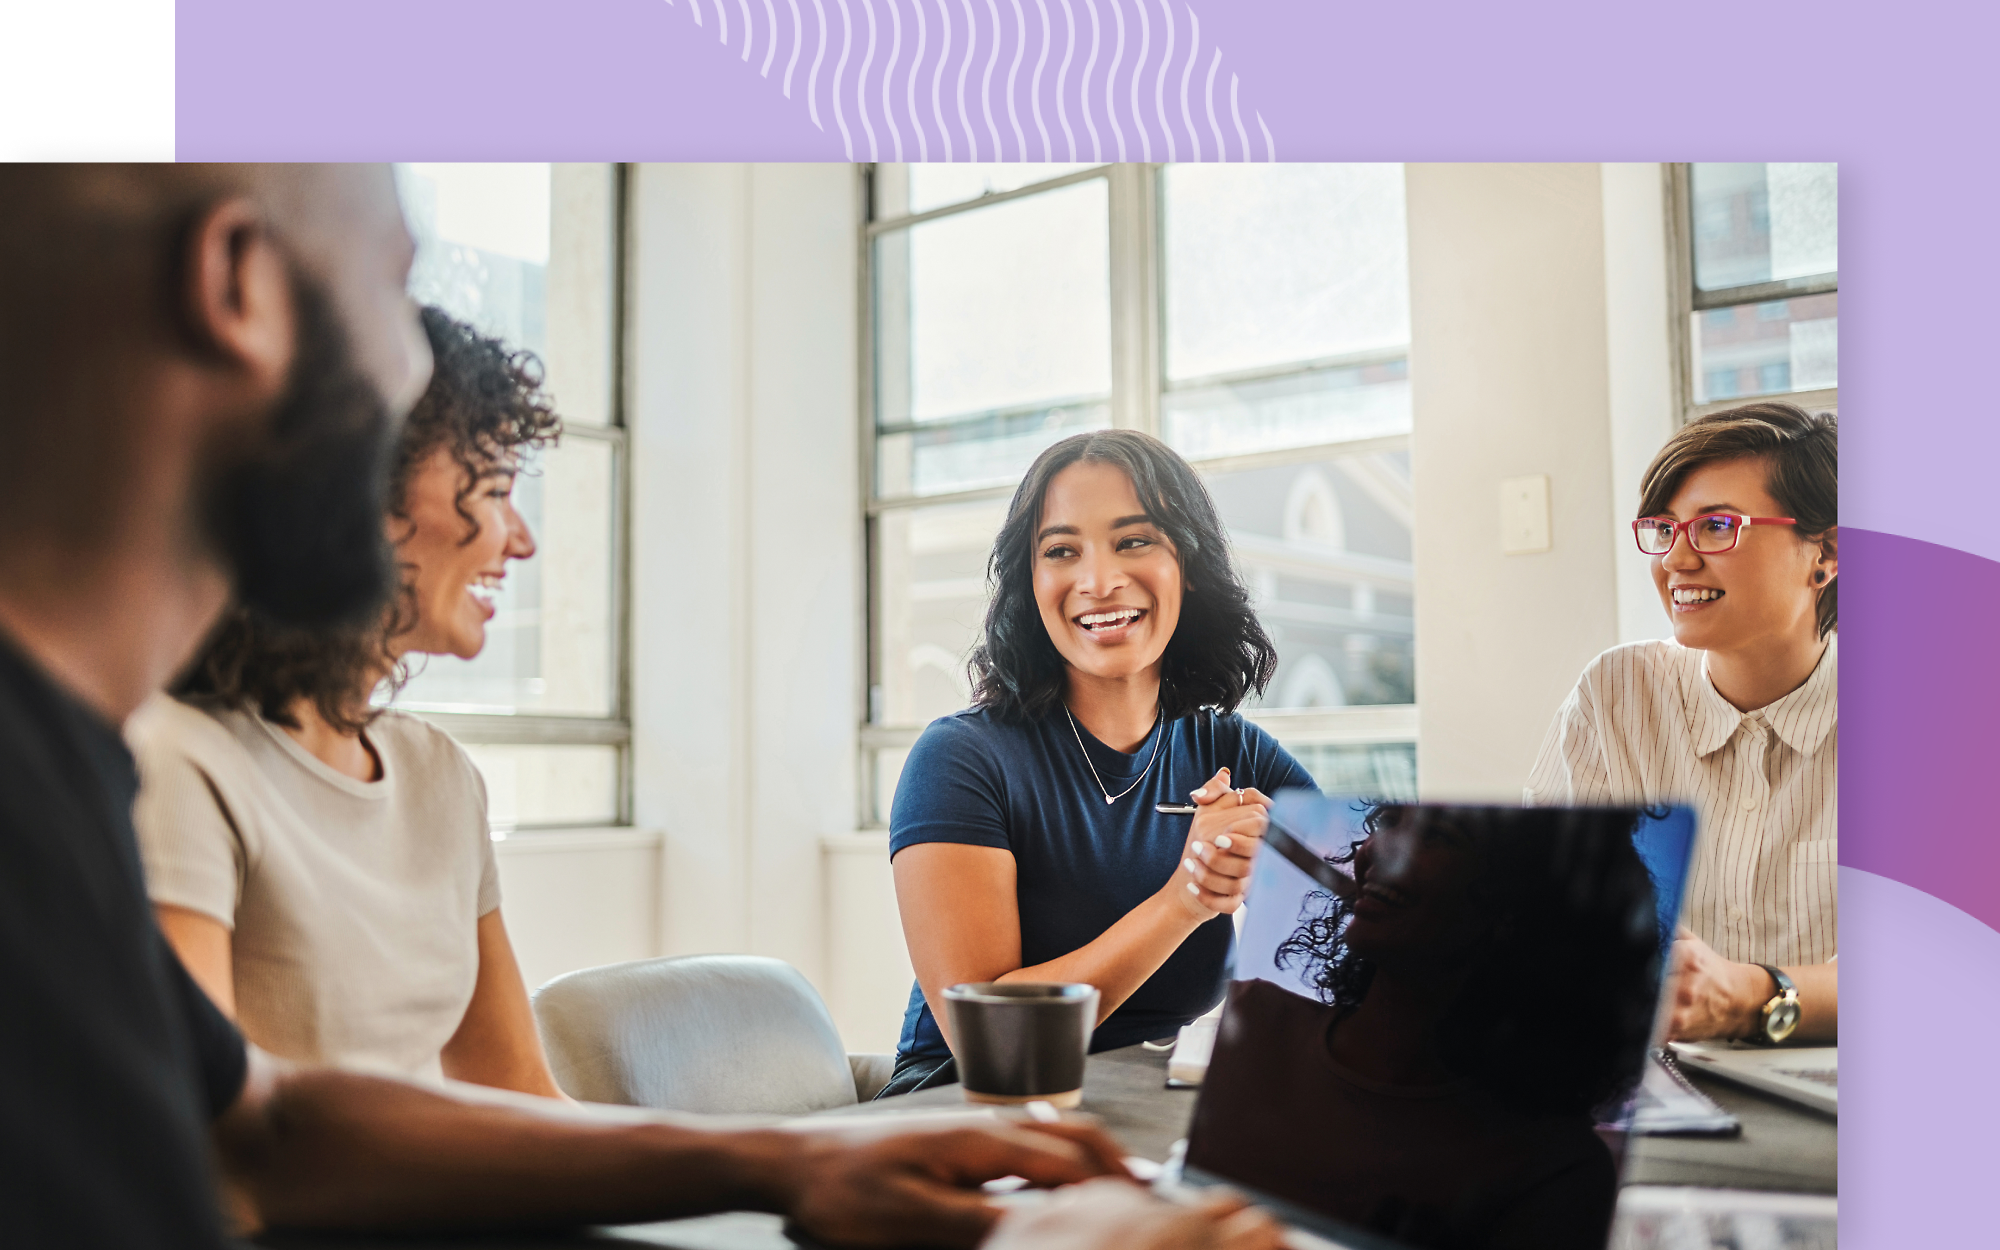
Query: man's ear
[[236, 295]]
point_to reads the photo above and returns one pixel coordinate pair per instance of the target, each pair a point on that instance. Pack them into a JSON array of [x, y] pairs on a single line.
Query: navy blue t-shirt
[[1079, 863]]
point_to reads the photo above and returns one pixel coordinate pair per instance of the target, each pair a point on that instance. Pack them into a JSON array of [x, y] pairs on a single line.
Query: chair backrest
[[707, 1033]]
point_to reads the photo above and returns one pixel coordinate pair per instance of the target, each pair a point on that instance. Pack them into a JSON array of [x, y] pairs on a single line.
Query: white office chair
[[707, 1033]]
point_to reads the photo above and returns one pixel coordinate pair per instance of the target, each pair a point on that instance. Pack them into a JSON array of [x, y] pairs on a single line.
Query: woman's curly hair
[[1219, 653], [485, 404], [1557, 1011]]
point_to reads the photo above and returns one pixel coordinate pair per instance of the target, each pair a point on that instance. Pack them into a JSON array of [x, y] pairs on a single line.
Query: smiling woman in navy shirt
[[1024, 839]]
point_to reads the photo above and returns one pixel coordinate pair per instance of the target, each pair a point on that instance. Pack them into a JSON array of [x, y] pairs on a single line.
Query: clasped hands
[[1222, 844]]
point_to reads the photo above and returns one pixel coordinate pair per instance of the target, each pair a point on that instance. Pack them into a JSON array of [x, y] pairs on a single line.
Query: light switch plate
[[1524, 514]]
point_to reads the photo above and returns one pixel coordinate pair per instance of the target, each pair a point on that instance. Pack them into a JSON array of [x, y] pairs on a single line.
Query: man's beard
[[300, 522]]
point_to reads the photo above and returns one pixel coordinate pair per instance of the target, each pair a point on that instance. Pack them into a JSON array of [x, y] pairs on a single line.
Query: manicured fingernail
[[1193, 888], [1199, 847], [1188, 864], [1222, 843]]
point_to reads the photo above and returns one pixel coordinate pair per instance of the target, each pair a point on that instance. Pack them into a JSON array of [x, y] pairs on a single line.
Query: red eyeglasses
[[1711, 533]]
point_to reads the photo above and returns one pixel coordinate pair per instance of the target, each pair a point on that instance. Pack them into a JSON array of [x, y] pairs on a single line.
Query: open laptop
[[1532, 940], [1808, 1075]]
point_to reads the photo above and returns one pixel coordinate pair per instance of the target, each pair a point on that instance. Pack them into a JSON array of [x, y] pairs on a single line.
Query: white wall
[[579, 898], [1508, 377]]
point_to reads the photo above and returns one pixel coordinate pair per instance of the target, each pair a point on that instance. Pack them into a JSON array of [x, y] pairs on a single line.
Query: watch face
[[1783, 1019]]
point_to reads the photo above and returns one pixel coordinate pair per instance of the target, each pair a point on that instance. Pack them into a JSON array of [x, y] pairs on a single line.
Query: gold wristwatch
[[1779, 1017]]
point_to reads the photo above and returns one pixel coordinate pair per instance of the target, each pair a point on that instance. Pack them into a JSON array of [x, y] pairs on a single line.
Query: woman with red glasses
[[1736, 715]]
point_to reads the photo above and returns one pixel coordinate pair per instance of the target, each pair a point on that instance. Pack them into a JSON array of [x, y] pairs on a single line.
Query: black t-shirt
[[112, 1061]]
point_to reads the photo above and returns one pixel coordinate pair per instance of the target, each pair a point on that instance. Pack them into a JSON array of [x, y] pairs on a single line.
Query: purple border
[[1902, 98]]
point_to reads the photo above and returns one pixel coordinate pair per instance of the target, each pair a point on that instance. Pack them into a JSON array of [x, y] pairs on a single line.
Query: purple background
[[1903, 97]]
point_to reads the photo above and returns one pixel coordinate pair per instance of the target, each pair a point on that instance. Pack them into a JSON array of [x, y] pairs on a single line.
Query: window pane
[[919, 188], [549, 644], [1377, 770], [524, 252], [1767, 349], [993, 338], [1324, 545], [1754, 223], [1290, 410], [530, 786], [1286, 305], [930, 580], [482, 245]]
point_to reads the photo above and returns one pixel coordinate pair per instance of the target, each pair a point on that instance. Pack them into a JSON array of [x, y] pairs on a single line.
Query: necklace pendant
[[1108, 799]]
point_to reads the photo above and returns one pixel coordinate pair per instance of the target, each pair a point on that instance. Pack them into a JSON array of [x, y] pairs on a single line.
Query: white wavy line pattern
[[937, 75], [895, 51], [910, 85], [872, 89]]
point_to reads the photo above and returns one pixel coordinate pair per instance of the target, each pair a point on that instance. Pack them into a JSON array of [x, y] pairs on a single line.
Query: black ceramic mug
[[1021, 1041]]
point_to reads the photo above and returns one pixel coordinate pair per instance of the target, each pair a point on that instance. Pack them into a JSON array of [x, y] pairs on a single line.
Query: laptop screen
[[1419, 1045]]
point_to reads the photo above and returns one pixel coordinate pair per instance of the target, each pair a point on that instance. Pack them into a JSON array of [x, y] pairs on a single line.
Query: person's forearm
[[340, 1150], [1819, 1002], [1120, 959]]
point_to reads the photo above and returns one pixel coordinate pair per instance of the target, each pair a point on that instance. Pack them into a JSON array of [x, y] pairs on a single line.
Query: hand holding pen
[[1222, 844]]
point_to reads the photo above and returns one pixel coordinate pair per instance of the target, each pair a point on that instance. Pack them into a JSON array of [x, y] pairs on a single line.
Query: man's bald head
[[228, 340]]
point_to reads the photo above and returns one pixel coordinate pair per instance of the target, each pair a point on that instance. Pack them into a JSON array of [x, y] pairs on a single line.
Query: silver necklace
[[1108, 796]]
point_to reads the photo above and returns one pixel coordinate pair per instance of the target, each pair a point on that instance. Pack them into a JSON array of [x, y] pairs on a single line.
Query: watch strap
[[1785, 983], [1788, 991]]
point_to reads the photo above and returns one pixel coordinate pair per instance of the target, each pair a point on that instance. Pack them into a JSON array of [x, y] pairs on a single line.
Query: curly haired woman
[[321, 865]]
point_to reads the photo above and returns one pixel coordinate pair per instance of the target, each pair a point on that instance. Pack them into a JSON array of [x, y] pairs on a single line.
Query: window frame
[[1685, 299], [613, 729], [1138, 387]]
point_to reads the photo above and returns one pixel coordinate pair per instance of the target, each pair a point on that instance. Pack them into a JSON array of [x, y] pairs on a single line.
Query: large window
[[1759, 282], [1256, 318], [530, 253]]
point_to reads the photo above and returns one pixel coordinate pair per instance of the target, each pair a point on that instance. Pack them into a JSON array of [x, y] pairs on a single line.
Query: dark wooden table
[[1782, 1148]]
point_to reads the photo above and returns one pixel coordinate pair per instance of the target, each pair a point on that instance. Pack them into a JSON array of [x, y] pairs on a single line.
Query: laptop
[[1438, 1057], [1808, 1075]]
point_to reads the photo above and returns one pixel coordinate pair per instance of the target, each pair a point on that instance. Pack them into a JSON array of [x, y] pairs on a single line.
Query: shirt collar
[[1801, 719], [1804, 717]]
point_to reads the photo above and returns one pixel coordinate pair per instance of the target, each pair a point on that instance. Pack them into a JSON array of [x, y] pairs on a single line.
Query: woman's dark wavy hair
[[485, 404], [1558, 1010], [1219, 653]]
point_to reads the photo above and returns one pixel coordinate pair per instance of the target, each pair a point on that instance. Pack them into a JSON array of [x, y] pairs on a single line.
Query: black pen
[[1294, 852]]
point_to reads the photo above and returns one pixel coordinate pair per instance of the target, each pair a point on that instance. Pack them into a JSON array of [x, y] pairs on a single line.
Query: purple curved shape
[[1918, 1104], [1920, 695]]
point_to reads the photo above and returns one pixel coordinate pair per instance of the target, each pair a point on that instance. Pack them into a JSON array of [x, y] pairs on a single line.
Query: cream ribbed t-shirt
[[354, 905]]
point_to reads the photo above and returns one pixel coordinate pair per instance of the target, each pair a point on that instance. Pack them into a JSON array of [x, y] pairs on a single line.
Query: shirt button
[[1750, 802]]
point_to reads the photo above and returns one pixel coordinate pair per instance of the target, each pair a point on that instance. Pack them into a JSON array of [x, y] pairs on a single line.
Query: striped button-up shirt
[[1645, 724]]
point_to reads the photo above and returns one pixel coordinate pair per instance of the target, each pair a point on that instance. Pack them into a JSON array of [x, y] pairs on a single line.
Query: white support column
[[1508, 379], [1640, 341], [746, 544]]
